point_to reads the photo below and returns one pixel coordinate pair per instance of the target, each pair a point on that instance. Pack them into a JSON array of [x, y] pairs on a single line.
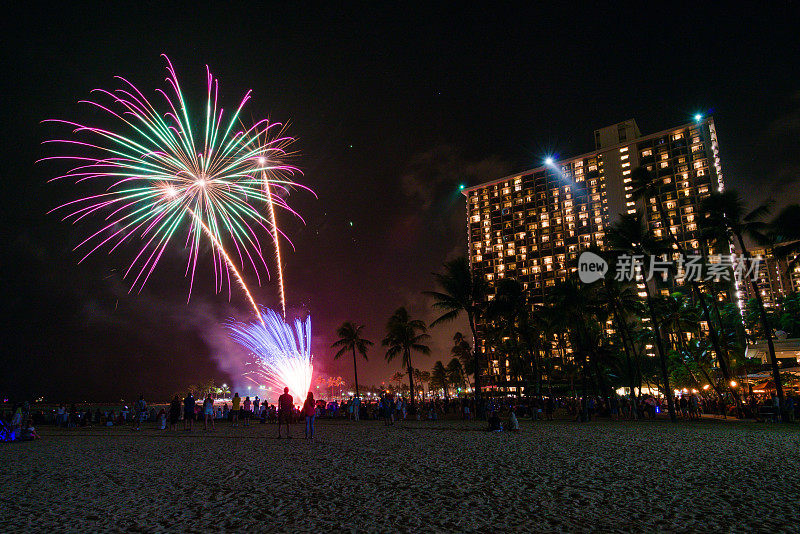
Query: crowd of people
[[390, 408]]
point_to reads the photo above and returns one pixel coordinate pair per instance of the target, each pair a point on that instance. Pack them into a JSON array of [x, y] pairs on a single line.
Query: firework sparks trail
[[278, 260], [282, 351], [230, 265], [161, 175]]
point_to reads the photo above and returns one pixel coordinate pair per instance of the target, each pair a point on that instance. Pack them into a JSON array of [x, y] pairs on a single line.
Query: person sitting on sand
[[513, 423], [29, 433], [273, 414], [285, 409], [16, 421], [494, 423]]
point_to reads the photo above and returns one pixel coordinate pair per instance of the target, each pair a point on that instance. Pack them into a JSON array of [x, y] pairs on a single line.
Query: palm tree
[[397, 377], [461, 292], [463, 352], [629, 235], [350, 340], [513, 309], [403, 335], [440, 379], [575, 302], [784, 236], [645, 186], [622, 302], [421, 378], [727, 210], [455, 373]]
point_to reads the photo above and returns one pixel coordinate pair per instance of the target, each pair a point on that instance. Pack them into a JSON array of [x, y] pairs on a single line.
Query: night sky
[[393, 108]]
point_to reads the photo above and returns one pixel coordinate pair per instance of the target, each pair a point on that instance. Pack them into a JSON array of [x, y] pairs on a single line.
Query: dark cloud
[[437, 173]]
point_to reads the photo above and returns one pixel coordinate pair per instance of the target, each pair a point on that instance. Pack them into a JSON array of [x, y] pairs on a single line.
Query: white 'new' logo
[[591, 267]]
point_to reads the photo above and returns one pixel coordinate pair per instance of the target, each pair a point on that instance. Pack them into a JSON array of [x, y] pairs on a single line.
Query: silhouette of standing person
[[285, 409], [188, 412], [310, 412]]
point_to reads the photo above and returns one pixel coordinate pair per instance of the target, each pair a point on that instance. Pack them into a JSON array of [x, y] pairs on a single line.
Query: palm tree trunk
[[662, 357], [476, 363], [585, 390], [355, 370], [719, 391], [534, 356], [631, 375], [411, 381], [722, 357], [773, 359], [723, 364]]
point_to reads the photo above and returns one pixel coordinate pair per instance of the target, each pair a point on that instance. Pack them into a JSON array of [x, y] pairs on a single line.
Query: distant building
[[532, 225], [775, 280]]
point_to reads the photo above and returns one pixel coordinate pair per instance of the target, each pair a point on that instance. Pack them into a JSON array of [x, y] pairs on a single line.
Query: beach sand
[[424, 476]]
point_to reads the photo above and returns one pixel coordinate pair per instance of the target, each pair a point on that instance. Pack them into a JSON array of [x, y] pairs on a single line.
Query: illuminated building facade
[[775, 280], [533, 225]]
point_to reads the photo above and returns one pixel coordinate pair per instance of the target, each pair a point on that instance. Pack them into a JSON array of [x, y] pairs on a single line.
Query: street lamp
[[548, 161]]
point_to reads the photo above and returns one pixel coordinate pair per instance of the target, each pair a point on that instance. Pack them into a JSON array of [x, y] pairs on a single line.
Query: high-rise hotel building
[[775, 279], [533, 225]]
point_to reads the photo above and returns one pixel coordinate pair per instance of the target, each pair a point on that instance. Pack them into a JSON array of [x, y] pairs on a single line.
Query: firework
[[282, 351], [164, 173]]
